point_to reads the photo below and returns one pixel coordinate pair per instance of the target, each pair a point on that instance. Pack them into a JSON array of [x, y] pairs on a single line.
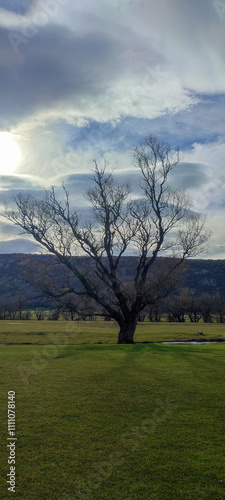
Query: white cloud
[[211, 193], [155, 63], [85, 65], [216, 245]]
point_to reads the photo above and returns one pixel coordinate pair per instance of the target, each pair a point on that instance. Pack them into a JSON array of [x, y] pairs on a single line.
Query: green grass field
[[143, 421], [85, 332]]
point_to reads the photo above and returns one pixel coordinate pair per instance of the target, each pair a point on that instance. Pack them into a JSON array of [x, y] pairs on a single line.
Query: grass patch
[[86, 332], [105, 421]]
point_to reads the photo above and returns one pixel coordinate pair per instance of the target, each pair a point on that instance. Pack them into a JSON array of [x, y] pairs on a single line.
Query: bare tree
[[155, 311], [182, 304], [12, 309], [21, 304], [39, 313], [193, 305], [3, 310], [219, 307], [176, 308], [159, 221], [206, 305]]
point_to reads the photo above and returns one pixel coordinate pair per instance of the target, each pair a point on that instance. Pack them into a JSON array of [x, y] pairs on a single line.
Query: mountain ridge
[[202, 275]]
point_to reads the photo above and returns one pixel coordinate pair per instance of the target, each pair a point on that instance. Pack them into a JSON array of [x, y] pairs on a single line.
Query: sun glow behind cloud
[[10, 154]]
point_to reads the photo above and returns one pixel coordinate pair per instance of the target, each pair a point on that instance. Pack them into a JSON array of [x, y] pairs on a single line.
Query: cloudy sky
[[82, 78]]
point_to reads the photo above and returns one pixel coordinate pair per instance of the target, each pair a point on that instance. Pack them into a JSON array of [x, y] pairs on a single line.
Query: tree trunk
[[126, 333]]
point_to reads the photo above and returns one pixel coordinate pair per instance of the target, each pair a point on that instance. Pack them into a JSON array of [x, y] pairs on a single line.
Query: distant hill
[[201, 276], [12, 281], [206, 276]]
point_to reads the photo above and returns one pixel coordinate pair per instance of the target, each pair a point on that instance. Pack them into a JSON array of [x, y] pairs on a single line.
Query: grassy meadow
[[92, 332], [97, 420]]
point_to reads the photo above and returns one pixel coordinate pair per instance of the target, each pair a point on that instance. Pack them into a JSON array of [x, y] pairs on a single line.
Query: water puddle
[[193, 342]]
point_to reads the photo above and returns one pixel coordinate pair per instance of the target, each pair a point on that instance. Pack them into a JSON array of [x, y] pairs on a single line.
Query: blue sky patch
[[17, 6]]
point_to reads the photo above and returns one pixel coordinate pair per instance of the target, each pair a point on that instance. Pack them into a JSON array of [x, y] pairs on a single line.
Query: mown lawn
[[143, 421], [85, 332]]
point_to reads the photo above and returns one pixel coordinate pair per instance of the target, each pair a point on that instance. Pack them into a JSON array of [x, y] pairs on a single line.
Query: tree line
[[183, 306], [186, 305]]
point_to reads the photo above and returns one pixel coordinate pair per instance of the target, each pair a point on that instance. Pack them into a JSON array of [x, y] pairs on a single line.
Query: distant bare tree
[[206, 307], [176, 308], [12, 309], [160, 221], [27, 315], [219, 307], [3, 310], [21, 303], [193, 305], [39, 313], [182, 304]]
